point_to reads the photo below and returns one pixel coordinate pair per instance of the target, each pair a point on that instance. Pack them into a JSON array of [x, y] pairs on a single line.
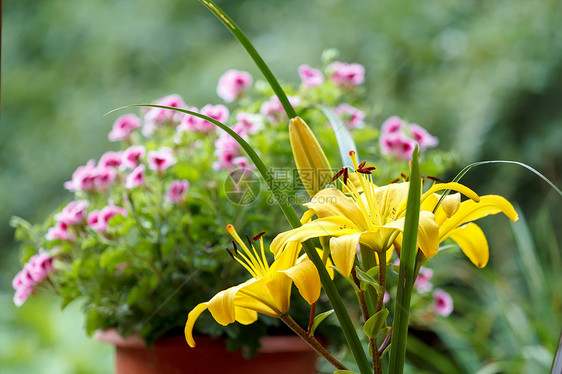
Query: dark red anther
[[394, 180], [258, 236], [345, 176], [230, 253], [235, 247], [434, 179], [249, 240], [338, 174], [361, 165]]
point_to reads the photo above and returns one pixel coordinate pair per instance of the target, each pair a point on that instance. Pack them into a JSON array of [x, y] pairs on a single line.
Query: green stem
[[382, 278], [329, 286], [312, 342], [238, 34], [369, 262], [406, 273]]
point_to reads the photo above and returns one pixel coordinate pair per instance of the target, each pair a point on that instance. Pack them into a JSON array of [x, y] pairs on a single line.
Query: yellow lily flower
[[267, 292], [374, 216]]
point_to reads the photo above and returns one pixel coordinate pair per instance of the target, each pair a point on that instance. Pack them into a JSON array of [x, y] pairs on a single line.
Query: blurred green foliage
[[484, 76]]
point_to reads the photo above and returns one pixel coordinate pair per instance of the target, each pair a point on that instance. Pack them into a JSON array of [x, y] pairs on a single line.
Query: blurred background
[[485, 77]]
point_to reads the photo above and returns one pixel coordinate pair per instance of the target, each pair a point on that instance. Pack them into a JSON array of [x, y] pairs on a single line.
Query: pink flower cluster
[[92, 177], [233, 84], [161, 159], [346, 75], [98, 220], [399, 138], [422, 282], [442, 303], [74, 213], [177, 191], [351, 116], [158, 117], [228, 151], [123, 127], [310, 77], [195, 124], [35, 271]]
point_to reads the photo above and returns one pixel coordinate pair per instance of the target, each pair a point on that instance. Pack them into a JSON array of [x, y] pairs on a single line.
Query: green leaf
[[374, 324], [344, 372], [367, 280], [343, 136], [318, 320]]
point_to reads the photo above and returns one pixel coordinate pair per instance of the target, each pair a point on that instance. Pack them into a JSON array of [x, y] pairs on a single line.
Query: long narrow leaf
[[238, 34], [406, 274], [343, 136]]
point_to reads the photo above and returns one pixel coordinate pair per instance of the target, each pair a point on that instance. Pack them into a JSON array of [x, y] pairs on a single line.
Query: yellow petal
[[245, 316], [305, 276], [451, 204], [329, 226], [343, 250], [222, 305], [428, 233], [269, 295], [332, 202], [470, 211], [313, 166], [390, 198], [473, 243], [454, 187], [191, 318]]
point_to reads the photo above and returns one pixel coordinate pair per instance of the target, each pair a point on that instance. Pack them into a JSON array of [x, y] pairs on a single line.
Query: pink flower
[[397, 144], [131, 156], [392, 125], [60, 231], [347, 74], [21, 295], [39, 266], [189, 122], [422, 282], [242, 162], [98, 220], [110, 159], [83, 178], [424, 138], [250, 123], [386, 297], [104, 178], [136, 177], [217, 112], [74, 213], [123, 127], [23, 279], [233, 84], [177, 191], [310, 77], [442, 303], [273, 110], [161, 116], [161, 159], [351, 116], [225, 158]]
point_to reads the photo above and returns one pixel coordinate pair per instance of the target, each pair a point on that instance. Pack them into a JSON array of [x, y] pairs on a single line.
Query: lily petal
[[428, 233], [470, 211], [473, 243], [269, 295], [306, 278], [451, 204], [332, 202], [191, 318], [343, 250]]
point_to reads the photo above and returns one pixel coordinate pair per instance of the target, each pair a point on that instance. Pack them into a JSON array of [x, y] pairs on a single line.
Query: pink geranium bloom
[[189, 122], [83, 178], [233, 84], [39, 266], [136, 177], [74, 213], [110, 159], [131, 157], [442, 303], [159, 116], [273, 109], [60, 231], [21, 295], [94, 219], [393, 125], [23, 279], [177, 191], [397, 144], [225, 157], [98, 220], [104, 178], [161, 159], [242, 162], [123, 127], [351, 116], [422, 282], [347, 74], [217, 112], [251, 123], [386, 297], [310, 77], [424, 138]]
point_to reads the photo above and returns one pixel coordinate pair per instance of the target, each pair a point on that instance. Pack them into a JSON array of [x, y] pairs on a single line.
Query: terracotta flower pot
[[278, 354]]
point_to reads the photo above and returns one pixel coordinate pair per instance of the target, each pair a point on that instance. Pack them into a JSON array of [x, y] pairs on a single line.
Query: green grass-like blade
[[245, 42], [406, 273], [343, 136], [329, 286]]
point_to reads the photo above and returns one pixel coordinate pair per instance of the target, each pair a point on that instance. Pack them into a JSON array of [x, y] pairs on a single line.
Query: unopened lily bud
[[451, 204], [313, 166]]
